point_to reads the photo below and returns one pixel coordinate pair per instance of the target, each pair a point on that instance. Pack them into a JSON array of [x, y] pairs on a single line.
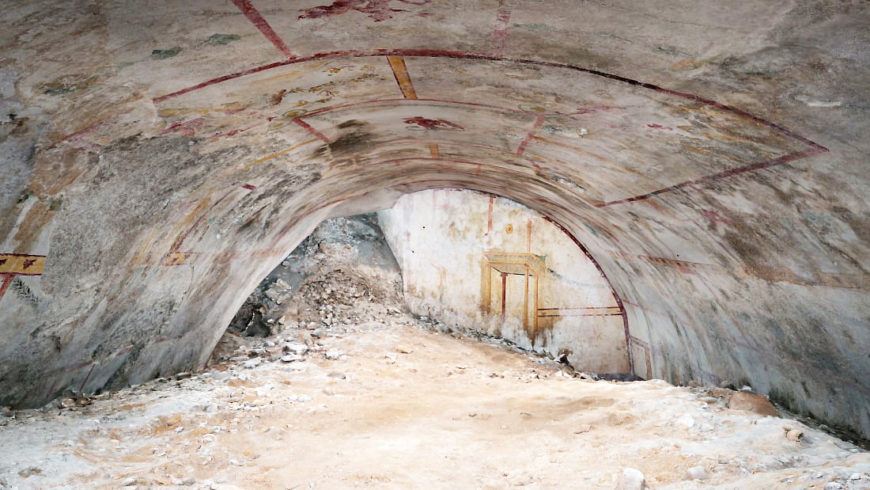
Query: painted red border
[[613, 291], [814, 148]]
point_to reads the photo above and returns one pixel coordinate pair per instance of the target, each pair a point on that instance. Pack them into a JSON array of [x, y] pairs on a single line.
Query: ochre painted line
[[539, 121], [276, 155], [433, 150], [400, 71], [21, 264], [177, 258], [311, 129], [202, 211], [260, 23], [499, 35]]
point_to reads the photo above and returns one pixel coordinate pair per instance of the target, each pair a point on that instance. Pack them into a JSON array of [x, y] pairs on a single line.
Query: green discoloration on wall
[[162, 54], [222, 39]]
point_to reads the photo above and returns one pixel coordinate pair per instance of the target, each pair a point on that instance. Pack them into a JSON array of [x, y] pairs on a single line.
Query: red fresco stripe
[[260, 23]]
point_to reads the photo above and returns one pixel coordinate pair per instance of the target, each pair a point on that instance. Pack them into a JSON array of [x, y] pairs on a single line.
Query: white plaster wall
[[440, 239]]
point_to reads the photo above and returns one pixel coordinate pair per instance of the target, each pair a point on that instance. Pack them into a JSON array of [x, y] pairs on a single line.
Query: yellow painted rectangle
[[397, 63], [24, 265]]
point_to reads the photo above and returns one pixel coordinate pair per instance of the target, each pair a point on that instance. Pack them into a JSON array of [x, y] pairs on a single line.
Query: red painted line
[[186, 128], [503, 294], [249, 187], [499, 35], [557, 308], [539, 121], [311, 129], [260, 23], [616, 296], [489, 216], [7, 280], [726, 173], [635, 340], [569, 314], [233, 132], [412, 101], [217, 80], [439, 53], [434, 53], [82, 386], [529, 236]]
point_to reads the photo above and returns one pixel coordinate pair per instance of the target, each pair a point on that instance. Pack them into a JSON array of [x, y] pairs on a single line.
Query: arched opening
[[159, 159], [471, 261]]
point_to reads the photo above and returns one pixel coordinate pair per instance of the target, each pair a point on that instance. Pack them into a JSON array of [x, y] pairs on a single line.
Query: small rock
[[631, 479], [333, 355], [295, 348], [251, 363], [291, 358], [583, 428], [855, 476], [404, 349], [687, 421], [794, 435], [68, 403], [129, 482], [337, 375], [751, 402], [834, 486], [697, 473]]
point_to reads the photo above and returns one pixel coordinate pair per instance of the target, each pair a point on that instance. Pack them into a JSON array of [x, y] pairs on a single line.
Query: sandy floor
[[400, 407]]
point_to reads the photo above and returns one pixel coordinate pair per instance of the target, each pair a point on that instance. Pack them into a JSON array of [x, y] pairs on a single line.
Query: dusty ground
[[398, 406]]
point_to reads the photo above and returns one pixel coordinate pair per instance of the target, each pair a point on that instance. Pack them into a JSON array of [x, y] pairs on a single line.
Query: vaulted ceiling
[[160, 157]]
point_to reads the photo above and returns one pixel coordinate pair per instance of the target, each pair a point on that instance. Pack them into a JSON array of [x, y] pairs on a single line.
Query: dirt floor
[[396, 405], [348, 390]]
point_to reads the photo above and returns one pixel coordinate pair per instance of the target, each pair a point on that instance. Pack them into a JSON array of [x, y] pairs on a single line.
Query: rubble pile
[[342, 269], [341, 276]]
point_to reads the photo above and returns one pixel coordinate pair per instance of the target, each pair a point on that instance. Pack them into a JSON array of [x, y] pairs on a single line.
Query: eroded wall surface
[[493, 265], [160, 158]]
